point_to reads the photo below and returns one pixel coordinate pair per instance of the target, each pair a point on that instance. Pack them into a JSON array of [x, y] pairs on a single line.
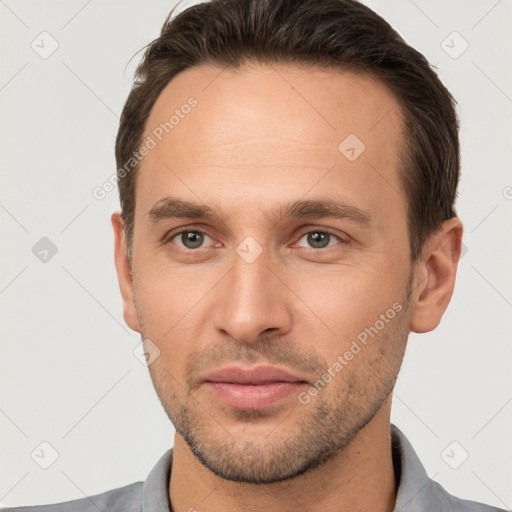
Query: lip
[[255, 375], [252, 388]]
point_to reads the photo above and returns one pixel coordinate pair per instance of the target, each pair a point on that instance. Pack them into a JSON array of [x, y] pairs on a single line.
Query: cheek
[[169, 306], [168, 295], [347, 299]]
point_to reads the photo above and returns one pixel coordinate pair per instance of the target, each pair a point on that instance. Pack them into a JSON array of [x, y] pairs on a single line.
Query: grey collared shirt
[[416, 491]]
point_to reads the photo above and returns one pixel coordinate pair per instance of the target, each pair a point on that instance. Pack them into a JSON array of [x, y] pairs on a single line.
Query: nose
[[252, 299]]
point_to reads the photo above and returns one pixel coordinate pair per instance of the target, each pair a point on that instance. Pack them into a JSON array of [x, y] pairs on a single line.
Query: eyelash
[[172, 236]]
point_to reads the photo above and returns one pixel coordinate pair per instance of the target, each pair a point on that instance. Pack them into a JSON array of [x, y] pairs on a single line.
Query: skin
[[260, 137]]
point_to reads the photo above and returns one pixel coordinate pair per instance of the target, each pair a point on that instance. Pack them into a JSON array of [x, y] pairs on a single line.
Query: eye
[[319, 239], [190, 239]]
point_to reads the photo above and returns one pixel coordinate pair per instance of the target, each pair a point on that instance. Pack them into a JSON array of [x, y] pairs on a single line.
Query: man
[[287, 175]]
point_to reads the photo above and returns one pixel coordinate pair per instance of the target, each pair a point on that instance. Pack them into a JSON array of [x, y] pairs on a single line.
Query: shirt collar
[[416, 491], [155, 491]]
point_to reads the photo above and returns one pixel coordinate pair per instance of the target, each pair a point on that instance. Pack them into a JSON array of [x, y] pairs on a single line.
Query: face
[[271, 268]]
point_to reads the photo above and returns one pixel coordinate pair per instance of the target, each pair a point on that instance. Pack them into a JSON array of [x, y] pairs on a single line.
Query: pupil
[[317, 239], [192, 239]]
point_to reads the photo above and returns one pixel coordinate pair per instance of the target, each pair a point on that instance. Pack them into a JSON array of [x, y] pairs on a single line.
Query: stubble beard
[[319, 430]]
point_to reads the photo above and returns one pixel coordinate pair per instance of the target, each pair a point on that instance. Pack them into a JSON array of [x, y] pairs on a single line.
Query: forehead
[[264, 129]]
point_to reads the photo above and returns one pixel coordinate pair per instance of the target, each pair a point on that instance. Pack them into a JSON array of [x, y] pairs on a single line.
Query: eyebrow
[[174, 208]]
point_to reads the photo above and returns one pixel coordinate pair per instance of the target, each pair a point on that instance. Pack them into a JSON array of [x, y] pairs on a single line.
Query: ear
[[434, 276], [124, 274]]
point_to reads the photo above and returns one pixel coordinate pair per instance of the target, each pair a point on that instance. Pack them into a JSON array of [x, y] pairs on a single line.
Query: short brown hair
[[340, 34]]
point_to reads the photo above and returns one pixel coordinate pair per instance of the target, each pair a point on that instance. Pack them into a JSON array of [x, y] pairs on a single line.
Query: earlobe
[[434, 278], [124, 272]]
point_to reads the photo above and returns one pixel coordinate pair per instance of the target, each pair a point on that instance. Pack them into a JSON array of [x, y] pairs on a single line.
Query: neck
[[359, 478]]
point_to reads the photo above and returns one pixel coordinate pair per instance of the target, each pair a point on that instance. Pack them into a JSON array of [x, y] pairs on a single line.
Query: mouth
[[252, 387]]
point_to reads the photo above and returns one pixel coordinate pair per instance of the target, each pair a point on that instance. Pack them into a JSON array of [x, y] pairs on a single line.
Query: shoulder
[[460, 505], [417, 492], [125, 499], [455, 504]]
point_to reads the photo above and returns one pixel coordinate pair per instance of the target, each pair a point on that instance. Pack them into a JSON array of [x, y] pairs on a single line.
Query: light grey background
[[69, 375]]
